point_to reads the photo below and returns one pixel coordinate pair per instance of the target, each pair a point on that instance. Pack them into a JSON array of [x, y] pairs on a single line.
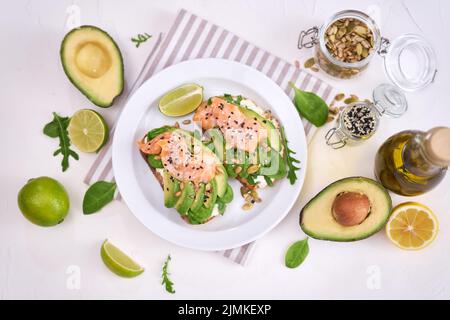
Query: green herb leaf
[[157, 131], [268, 181], [58, 128], [140, 38], [310, 106], [296, 253], [292, 176], [165, 276], [229, 98], [221, 206], [98, 195]]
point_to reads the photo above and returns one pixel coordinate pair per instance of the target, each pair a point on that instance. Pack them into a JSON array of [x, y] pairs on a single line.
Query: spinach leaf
[[310, 106], [97, 196], [296, 253], [58, 128]]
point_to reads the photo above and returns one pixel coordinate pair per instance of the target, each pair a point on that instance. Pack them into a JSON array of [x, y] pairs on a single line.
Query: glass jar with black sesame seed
[[359, 120]]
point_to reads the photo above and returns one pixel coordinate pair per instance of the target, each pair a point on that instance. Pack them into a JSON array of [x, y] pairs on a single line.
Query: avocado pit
[[93, 60], [350, 208]]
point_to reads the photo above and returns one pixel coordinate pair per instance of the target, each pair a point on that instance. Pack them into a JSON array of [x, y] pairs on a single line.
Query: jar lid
[[389, 100], [410, 62]]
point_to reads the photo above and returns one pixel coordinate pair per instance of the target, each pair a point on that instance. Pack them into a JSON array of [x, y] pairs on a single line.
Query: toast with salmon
[[193, 179], [245, 138]]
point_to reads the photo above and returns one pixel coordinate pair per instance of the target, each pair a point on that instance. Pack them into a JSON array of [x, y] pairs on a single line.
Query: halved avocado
[[319, 220], [171, 187], [93, 63], [274, 136], [186, 198]]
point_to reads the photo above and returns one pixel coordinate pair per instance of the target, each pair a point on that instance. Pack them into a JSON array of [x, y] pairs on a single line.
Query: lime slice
[[181, 100], [88, 130], [118, 262]]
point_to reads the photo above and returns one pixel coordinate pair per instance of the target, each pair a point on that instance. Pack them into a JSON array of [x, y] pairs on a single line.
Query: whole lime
[[44, 201]]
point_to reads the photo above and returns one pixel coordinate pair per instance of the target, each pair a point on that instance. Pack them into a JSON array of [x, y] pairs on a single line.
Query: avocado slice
[[199, 196], [318, 219], [228, 196], [204, 212], [171, 187], [186, 198], [93, 63], [221, 181], [274, 136], [277, 167]]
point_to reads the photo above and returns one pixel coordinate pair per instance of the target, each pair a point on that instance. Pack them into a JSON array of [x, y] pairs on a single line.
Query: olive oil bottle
[[413, 162]]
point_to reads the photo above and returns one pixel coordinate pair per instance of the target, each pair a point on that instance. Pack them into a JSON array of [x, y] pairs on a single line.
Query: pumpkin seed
[[244, 191], [309, 63], [346, 40], [253, 168], [247, 206], [351, 100], [339, 96]]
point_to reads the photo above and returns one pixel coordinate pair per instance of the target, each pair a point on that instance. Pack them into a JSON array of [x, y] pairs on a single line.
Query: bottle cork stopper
[[437, 145]]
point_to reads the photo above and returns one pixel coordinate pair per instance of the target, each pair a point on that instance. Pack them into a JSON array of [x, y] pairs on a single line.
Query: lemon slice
[[87, 130], [412, 226], [118, 262], [181, 100]]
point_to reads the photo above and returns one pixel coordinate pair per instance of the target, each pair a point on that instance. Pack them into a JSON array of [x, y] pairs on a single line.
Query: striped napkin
[[191, 37]]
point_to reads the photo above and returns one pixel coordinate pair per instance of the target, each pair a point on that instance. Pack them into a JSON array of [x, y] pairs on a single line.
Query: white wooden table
[[64, 261]]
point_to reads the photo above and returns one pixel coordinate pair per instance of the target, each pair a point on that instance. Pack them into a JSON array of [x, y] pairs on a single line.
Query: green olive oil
[[413, 162]]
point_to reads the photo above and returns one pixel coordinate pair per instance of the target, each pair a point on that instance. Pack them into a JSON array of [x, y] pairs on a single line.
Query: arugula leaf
[[289, 159], [165, 276], [268, 181], [140, 38], [310, 106], [98, 195], [58, 128], [229, 98], [296, 253]]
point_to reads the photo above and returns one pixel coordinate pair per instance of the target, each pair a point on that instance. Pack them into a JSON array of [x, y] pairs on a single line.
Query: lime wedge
[[88, 130], [181, 100], [118, 262]]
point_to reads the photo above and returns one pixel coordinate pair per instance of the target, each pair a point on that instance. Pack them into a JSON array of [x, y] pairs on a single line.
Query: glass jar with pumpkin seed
[[346, 43]]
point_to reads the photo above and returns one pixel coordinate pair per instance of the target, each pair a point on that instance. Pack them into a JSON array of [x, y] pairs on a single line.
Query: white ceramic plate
[[142, 192]]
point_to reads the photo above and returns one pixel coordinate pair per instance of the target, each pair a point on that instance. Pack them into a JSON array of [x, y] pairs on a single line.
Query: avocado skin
[[331, 238], [82, 90]]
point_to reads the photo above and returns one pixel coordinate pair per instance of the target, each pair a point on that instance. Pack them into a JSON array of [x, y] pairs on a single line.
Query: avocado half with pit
[[347, 210], [93, 63]]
